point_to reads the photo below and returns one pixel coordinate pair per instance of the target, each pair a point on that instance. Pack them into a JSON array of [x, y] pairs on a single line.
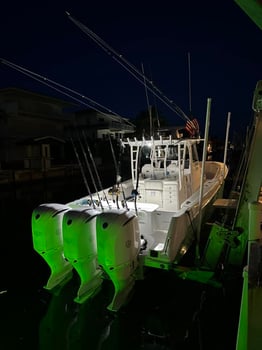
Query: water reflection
[[157, 316], [67, 325], [163, 313]]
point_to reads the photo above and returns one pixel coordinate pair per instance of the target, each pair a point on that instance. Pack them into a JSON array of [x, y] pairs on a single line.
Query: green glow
[[79, 236], [243, 318], [215, 246], [48, 242], [253, 9], [118, 245]]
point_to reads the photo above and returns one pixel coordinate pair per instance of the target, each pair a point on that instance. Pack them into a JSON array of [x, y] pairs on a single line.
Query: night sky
[[223, 42]]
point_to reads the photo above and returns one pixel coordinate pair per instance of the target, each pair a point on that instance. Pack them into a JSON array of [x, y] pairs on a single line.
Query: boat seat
[[172, 169], [147, 171], [152, 172]]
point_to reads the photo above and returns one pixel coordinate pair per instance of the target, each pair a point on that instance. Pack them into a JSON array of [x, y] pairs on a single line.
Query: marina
[[157, 211], [185, 306], [163, 311], [157, 248]]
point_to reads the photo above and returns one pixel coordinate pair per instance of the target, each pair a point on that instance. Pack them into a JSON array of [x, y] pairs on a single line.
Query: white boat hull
[[118, 231]]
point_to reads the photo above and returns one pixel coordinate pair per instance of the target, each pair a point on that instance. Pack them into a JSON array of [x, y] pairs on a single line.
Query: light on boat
[[183, 250], [159, 247]]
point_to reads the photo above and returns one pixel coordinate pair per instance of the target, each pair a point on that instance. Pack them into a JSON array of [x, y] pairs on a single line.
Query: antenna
[[148, 106], [189, 83], [155, 109]]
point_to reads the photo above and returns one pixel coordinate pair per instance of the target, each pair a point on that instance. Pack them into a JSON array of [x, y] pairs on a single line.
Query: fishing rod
[[82, 172], [129, 67], [118, 177], [90, 170], [117, 172], [95, 168], [119, 162], [48, 82], [135, 191], [59, 88]]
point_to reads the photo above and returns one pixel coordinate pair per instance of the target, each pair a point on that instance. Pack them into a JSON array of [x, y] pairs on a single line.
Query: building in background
[[36, 130], [32, 129]]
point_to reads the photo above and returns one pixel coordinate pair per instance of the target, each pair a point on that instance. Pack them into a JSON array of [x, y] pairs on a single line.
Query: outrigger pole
[[202, 178], [62, 89], [137, 74], [226, 141]]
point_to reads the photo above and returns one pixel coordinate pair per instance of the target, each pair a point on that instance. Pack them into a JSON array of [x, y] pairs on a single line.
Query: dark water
[[164, 312]]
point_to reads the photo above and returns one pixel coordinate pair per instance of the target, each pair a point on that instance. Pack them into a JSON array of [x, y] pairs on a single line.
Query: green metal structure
[[253, 8], [235, 243]]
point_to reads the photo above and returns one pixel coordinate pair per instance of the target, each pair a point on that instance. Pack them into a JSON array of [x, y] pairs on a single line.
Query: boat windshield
[[160, 154], [172, 152]]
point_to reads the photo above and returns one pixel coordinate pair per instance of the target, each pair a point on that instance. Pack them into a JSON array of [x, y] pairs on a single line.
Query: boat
[[149, 220]]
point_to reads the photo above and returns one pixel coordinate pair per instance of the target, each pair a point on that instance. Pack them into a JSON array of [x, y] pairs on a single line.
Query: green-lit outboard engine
[[118, 246], [48, 241], [79, 236]]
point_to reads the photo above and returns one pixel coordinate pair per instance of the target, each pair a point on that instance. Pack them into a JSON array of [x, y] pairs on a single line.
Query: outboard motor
[[118, 246], [48, 241], [79, 236]]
